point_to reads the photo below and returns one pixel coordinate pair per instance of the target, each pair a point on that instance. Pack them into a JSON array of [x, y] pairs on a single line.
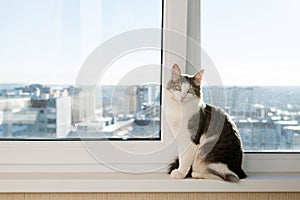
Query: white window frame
[[72, 156]]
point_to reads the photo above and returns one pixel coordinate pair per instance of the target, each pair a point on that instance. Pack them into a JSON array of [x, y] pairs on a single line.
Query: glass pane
[[255, 46], [44, 45]]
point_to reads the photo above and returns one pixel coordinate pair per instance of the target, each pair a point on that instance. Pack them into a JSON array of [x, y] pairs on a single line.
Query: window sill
[[154, 182]]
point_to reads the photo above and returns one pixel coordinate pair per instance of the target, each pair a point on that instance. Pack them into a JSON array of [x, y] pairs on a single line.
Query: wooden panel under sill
[[151, 196]]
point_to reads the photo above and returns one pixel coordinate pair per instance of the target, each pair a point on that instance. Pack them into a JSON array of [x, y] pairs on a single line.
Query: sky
[[46, 41], [39, 40], [253, 42]]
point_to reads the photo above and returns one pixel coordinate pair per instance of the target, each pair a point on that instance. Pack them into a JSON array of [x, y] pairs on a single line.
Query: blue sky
[[38, 38], [46, 41], [251, 42]]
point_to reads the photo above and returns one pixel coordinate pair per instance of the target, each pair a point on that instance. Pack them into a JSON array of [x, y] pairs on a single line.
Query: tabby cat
[[208, 141]]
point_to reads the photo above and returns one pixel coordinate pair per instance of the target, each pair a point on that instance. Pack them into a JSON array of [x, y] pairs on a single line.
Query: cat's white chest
[[178, 115], [174, 118]]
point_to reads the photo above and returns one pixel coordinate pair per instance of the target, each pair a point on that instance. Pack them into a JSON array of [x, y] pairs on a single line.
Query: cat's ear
[[198, 77], [176, 72]]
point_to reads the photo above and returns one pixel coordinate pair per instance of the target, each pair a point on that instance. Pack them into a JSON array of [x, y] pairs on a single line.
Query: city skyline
[[265, 120]]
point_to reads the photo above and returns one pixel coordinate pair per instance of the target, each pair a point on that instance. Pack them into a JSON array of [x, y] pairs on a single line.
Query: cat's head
[[185, 88]]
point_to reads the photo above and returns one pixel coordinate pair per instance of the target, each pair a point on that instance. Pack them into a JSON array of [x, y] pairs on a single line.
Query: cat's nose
[[182, 98]]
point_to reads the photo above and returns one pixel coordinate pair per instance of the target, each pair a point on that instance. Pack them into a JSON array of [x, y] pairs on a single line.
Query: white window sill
[[154, 182]]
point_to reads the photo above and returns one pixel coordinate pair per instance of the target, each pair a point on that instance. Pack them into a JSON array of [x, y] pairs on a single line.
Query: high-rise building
[[40, 116]]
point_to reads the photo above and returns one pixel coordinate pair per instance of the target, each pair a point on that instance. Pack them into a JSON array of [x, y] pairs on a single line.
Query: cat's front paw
[[176, 174], [196, 175]]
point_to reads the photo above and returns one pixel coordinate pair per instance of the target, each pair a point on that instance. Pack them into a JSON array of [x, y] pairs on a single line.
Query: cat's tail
[[175, 165], [241, 174], [217, 169], [221, 170]]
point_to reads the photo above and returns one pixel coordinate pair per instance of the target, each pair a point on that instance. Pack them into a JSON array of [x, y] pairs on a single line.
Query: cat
[[208, 141]]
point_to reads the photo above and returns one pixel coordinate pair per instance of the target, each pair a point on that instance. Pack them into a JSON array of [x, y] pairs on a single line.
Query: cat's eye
[[191, 91], [177, 87]]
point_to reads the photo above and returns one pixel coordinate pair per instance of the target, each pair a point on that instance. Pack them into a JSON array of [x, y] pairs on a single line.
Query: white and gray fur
[[209, 144]]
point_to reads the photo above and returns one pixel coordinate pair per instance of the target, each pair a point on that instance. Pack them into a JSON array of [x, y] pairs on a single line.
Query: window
[[255, 45], [45, 44], [55, 152], [88, 155]]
